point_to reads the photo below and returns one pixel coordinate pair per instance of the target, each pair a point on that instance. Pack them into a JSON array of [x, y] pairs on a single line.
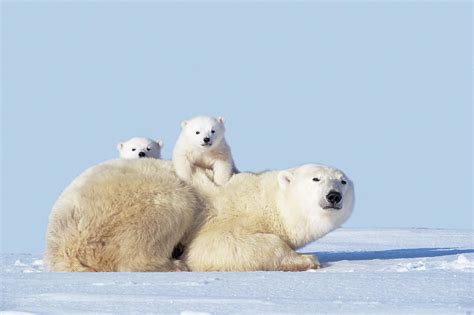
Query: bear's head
[[203, 132], [314, 199], [136, 148]]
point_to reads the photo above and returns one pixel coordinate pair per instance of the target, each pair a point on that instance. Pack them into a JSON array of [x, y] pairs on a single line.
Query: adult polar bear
[[121, 215], [128, 215], [256, 221]]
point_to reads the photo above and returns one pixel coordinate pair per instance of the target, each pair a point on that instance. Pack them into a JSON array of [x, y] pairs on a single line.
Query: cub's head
[[203, 132], [137, 148], [317, 197]]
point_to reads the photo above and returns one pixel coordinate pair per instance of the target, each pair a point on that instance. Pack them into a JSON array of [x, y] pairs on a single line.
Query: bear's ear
[[284, 179], [119, 146], [184, 123], [221, 119], [160, 143]]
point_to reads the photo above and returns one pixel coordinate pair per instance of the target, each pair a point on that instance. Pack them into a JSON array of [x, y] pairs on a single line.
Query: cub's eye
[[213, 131], [148, 149], [343, 182], [315, 179], [197, 132], [134, 149]]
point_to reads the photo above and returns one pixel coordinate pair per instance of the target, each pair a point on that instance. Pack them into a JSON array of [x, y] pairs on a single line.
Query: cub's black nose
[[334, 197], [206, 140], [141, 154]]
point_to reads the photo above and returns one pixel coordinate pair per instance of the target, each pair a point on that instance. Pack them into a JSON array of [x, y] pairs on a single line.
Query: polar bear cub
[[202, 144], [136, 148]]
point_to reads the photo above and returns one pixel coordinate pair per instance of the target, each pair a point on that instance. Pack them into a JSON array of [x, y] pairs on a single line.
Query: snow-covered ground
[[365, 271]]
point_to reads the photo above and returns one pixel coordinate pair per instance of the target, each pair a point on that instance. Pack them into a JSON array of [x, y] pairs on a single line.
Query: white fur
[[128, 215], [121, 215], [299, 202], [192, 151], [255, 222], [136, 148]]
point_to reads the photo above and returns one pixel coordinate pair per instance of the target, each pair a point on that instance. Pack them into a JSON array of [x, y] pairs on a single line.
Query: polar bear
[[128, 215], [136, 148], [257, 221], [121, 215], [201, 143]]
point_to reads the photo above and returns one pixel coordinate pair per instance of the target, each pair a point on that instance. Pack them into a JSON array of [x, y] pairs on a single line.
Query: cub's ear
[[184, 123], [221, 119], [119, 146], [160, 143], [284, 179]]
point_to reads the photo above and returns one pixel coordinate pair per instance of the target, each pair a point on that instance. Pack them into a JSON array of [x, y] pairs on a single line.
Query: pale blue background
[[380, 90]]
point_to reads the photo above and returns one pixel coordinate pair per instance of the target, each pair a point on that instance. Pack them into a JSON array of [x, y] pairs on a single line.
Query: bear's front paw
[[299, 262], [313, 261]]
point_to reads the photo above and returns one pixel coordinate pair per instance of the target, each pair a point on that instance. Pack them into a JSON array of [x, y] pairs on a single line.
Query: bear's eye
[[315, 179], [343, 182], [134, 149], [197, 132], [213, 131], [148, 149]]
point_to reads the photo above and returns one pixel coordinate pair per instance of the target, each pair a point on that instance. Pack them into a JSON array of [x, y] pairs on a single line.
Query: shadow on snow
[[389, 254]]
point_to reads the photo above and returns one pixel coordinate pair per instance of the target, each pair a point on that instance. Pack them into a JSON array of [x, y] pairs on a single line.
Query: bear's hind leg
[[144, 264]]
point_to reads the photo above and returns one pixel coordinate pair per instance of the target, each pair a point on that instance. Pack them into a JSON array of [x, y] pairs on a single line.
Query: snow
[[365, 271]]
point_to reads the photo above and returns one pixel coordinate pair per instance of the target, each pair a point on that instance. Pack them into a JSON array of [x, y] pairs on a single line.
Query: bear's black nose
[[206, 140], [141, 154], [334, 197]]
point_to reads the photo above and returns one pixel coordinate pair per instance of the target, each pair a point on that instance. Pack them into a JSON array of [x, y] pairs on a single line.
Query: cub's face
[[137, 148], [318, 190], [203, 132]]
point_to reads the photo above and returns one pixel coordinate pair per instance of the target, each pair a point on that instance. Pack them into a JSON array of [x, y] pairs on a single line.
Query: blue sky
[[380, 90]]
